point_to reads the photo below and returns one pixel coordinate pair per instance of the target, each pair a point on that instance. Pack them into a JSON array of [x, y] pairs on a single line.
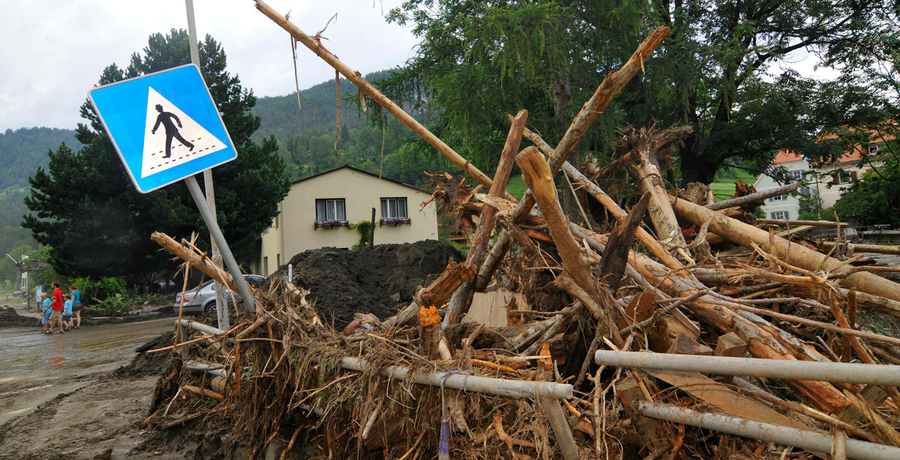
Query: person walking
[[76, 305], [165, 119], [56, 309], [45, 312]]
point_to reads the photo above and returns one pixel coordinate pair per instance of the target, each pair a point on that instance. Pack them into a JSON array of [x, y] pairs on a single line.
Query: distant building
[[783, 206], [828, 181], [318, 211]]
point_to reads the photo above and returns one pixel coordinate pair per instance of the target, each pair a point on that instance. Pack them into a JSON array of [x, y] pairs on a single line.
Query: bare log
[[537, 175], [611, 86], [202, 263], [853, 248], [372, 92], [643, 145], [645, 237], [747, 235], [811, 223], [462, 299], [440, 290], [757, 197]]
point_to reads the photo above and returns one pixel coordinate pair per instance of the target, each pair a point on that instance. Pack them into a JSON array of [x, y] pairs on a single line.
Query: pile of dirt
[[148, 364], [9, 317], [368, 280]]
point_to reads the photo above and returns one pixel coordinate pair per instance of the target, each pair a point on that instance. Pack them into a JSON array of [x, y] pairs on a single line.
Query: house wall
[[273, 246], [791, 204], [829, 191], [361, 193]]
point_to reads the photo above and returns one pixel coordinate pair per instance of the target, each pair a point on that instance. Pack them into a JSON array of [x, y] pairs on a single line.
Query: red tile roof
[[786, 156]]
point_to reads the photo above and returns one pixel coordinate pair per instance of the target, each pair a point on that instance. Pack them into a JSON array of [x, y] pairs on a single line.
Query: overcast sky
[[53, 51]]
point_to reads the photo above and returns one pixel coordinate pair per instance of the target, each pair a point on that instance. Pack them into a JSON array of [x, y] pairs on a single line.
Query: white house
[[829, 181], [319, 211], [783, 206]]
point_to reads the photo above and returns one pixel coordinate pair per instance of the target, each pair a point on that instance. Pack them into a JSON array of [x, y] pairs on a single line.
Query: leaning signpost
[[166, 128]]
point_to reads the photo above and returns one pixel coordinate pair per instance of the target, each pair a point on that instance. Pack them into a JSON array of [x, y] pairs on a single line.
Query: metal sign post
[[221, 302], [165, 128]]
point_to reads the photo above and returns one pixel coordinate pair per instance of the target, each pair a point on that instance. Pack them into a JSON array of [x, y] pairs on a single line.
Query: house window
[[796, 175], [393, 208], [844, 177], [779, 198], [873, 149], [278, 259], [780, 215], [330, 209], [265, 266]]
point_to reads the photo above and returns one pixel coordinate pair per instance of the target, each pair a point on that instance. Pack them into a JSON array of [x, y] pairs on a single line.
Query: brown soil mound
[[148, 364], [369, 280], [10, 318]]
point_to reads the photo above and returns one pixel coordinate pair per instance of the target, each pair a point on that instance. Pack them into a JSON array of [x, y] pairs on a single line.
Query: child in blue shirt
[[45, 312], [67, 314]]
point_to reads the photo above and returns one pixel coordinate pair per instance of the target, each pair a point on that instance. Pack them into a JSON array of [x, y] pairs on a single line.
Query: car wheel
[[210, 308]]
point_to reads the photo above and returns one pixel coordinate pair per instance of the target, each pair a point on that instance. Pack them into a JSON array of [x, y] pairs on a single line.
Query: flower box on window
[[395, 221], [331, 223]]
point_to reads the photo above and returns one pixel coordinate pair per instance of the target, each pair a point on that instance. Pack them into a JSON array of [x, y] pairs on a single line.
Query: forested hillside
[[306, 139], [307, 135], [21, 152]]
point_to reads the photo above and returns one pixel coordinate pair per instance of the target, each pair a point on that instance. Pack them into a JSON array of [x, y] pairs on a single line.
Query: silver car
[[203, 299]]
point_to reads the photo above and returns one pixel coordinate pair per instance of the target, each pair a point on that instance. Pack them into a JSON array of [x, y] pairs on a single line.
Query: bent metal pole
[[217, 236], [869, 374], [807, 440]]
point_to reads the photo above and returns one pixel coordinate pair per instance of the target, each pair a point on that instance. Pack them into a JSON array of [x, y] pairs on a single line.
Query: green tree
[[717, 72], [875, 198], [86, 209]]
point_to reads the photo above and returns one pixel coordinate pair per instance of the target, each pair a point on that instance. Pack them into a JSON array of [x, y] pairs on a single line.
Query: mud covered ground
[[80, 412], [375, 280]]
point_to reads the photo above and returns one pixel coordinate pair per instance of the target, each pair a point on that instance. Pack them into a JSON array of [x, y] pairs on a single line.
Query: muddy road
[[58, 397]]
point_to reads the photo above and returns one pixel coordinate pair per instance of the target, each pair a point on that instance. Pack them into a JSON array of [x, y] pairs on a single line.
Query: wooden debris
[[427, 383]]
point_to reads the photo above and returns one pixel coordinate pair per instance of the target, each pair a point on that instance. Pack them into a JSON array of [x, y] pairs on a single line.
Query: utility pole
[[221, 302]]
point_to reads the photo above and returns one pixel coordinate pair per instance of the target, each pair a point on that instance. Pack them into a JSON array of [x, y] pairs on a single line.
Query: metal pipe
[[807, 440], [214, 370], [560, 426], [452, 380], [217, 236], [869, 374], [201, 327], [465, 382]]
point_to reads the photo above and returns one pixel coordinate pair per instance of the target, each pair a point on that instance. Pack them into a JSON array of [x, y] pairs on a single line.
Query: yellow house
[[318, 211]]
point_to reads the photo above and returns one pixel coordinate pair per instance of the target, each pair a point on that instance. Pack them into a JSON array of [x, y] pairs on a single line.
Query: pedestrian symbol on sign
[[159, 152], [165, 126], [165, 119]]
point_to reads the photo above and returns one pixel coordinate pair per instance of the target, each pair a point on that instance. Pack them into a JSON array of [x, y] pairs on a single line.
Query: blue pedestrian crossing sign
[[165, 126]]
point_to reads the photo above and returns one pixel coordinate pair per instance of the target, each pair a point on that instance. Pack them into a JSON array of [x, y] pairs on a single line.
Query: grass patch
[[516, 186], [723, 186]]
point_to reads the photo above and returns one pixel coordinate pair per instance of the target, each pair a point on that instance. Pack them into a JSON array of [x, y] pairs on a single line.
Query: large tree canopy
[[717, 72], [86, 209]]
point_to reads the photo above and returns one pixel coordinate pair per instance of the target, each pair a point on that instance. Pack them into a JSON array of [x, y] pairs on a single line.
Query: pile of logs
[[686, 331]]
